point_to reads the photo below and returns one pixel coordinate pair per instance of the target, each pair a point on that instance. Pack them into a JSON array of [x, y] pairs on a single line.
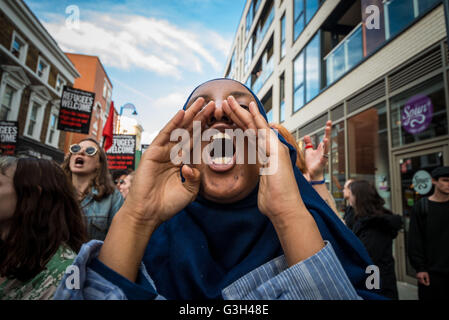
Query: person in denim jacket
[[87, 167]]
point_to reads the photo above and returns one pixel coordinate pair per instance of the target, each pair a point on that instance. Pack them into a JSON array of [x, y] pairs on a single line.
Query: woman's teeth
[[222, 160], [221, 135]]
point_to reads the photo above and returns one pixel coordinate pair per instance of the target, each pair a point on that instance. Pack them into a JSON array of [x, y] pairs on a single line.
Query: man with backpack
[[428, 238]]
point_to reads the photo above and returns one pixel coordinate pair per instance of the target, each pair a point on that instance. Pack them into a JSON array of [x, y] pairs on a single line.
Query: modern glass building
[[377, 68]]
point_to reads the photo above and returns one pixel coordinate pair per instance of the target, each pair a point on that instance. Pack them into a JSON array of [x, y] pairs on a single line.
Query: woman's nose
[[218, 115]]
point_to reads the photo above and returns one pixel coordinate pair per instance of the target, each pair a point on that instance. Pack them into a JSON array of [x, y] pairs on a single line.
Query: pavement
[[407, 291]]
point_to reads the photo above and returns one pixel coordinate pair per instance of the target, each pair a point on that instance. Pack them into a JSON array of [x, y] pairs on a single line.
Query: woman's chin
[[81, 171], [225, 189]]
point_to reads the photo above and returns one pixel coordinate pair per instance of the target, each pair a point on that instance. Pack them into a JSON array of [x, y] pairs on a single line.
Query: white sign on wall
[[422, 182]]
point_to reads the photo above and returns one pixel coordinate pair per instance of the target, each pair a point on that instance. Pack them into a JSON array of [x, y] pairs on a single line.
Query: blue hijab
[[207, 246]]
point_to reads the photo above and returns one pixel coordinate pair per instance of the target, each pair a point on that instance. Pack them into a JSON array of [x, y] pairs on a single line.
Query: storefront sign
[[122, 154], [9, 132], [417, 114], [422, 182], [75, 111]]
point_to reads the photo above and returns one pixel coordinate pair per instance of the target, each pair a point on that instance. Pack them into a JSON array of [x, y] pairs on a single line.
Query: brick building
[[33, 70], [93, 79], [378, 69]]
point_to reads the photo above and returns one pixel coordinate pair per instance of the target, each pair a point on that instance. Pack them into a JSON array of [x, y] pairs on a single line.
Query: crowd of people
[[205, 231]]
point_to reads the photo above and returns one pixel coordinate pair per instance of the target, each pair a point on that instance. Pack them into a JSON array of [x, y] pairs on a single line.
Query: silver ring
[[326, 155]]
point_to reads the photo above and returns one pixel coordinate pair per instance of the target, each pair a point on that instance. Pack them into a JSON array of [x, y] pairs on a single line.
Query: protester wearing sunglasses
[[86, 166]]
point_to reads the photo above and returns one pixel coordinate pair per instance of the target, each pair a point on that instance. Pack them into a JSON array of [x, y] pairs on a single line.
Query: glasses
[[76, 148]]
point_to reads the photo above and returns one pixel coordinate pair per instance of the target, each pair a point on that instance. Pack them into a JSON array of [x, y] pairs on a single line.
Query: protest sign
[[9, 133], [75, 110], [122, 154]]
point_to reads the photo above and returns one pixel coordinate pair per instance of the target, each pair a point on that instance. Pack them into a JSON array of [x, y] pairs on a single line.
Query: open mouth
[[79, 162], [224, 160]]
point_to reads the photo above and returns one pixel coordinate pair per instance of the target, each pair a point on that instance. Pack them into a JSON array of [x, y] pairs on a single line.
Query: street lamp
[[126, 106]]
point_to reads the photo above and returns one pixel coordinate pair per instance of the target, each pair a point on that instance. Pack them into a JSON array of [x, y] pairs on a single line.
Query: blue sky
[[154, 51]]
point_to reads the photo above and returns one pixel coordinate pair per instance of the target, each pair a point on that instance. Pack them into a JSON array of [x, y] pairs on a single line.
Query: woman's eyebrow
[[238, 94], [204, 96]]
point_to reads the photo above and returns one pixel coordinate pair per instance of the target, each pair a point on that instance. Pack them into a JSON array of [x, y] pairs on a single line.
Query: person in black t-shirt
[[428, 238]]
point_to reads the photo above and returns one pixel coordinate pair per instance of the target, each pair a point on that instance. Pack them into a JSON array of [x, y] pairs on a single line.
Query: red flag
[[108, 129]]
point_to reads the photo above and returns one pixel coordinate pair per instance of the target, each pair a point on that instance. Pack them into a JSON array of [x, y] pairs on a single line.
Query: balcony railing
[[345, 55], [267, 70]]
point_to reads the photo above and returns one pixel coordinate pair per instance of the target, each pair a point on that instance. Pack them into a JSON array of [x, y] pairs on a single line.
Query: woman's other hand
[[316, 159], [157, 192]]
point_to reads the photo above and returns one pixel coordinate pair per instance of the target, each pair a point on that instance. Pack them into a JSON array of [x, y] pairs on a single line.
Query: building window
[[249, 19], [105, 88], [7, 102], [312, 74], [419, 113], [307, 73], [35, 116], [368, 149], [18, 47], [12, 83], [425, 5], [230, 73], [43, 69], [283, 36], [248, 55], [282, 98], [304, 10], [109, 96], [298, 85], [264, 23], [311, 8], [33, 119], [267, 103], [299, 18], [60, 83], [256, 4], [263, 68], [52, 128], [399, 15]]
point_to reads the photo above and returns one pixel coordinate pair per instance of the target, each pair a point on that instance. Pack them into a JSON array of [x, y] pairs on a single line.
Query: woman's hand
[[157, 192], [279, 198], [278, 191], [316, 159]]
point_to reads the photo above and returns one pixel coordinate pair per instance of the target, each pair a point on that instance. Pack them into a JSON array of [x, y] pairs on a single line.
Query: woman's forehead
[[87, 143], [220, 89]]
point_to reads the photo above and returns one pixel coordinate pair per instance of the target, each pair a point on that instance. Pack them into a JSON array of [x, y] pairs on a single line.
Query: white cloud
[[148, 137], [133, 41]]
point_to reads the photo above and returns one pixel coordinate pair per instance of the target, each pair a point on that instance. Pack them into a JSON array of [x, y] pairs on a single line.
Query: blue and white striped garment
[[319, 277]]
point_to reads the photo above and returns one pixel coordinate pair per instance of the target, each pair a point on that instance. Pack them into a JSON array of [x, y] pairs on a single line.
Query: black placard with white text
[[75, 110], [122, 154], [9, 133]]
